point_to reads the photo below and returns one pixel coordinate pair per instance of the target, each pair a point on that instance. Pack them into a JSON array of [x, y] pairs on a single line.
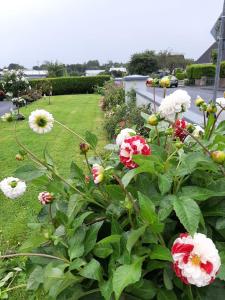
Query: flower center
[[196, 260], [13, 184], [41, 121]]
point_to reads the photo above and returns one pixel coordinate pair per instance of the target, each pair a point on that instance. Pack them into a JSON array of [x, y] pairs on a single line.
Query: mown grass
[[79, 112]]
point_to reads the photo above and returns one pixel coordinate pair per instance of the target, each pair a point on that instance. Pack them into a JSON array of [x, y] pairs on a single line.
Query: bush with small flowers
[[144, 220]]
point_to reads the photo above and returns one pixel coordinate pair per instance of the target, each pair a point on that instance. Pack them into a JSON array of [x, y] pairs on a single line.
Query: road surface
[[5, 106]]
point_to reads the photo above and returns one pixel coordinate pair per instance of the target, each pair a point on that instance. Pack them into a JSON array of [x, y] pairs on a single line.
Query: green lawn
[[79, 112]]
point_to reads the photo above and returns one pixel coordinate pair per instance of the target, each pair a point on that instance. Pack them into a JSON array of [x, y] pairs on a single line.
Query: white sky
[[72, 31]]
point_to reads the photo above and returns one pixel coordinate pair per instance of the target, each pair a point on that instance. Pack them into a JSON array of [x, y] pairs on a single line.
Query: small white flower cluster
[[13, 187], [177, 102], [124, 134], [41, 121], [18, 101], [7, 117]]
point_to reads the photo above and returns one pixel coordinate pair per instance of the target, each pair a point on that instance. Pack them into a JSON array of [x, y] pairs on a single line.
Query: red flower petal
[[208, 267], [182, 248]]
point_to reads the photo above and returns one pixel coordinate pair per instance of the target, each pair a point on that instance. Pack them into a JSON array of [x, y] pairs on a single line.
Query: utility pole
[[220, 42]]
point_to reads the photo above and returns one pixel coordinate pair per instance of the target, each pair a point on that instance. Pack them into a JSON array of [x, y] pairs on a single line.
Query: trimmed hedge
[[197, 71], [71, 85]]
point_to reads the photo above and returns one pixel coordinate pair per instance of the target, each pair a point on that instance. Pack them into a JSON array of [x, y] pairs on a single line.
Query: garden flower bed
[[144, 220]]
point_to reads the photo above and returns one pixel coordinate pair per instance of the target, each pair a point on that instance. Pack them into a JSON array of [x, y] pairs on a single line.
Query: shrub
[[181, 75], [2, 95], [197, 71], [71, 85], [113, 94], [15, 83]]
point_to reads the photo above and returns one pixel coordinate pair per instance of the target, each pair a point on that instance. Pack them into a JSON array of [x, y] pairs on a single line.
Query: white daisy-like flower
[[124, 134], [98, 173], [196, 259], [13, 187], [177, 102], [220, 101], [41, 121]]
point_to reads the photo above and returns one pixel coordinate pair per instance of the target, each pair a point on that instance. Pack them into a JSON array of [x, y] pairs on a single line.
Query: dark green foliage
[[71, 85], [143, 63], [197, 71]]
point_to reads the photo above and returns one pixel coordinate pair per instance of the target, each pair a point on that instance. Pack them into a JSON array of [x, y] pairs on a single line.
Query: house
[[119, 69], [30, 74], [93, 72]]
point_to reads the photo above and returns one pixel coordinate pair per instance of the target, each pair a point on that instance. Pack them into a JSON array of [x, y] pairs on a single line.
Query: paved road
[[206, 94], [5, 106]]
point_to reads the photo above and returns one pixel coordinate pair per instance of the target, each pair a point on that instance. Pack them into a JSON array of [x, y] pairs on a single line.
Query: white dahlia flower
[[41, 121], [177, 102], [196, 259], [124, 134], [13, 187], [98, 173]]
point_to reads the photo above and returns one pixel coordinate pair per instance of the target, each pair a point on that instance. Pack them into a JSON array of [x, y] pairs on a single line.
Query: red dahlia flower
[[45, 197], [131, 146], [178, 129]]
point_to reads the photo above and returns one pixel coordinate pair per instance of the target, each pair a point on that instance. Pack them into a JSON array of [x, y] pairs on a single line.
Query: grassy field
[[79, 112]]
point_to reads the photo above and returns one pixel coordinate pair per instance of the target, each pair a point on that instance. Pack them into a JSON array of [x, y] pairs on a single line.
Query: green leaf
[[164, 181], [103, 251], [144, 289], [92, 270], [188, 212], [220, 224], [161, 253], [91, 237], [134, 236], [167, 280], [146, 168], [164, 294], [199, 193], [114, 238], [126, 275], [91, 139], [147, 213], [106, 289], [166, 206], [76, 248], [76, 172], [35, 279], [29, 172], [48, 158], [80, 220], [33, 242]]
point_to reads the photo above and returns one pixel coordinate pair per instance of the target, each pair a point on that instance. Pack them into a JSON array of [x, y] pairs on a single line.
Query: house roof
[[206, 56]]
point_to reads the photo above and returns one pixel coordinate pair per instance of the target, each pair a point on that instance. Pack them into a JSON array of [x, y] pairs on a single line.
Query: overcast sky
[[72, 31]]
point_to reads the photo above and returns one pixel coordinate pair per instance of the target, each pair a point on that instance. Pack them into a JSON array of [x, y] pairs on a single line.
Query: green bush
[[181, 75], [197, 71], [71, 85], [113, 94]]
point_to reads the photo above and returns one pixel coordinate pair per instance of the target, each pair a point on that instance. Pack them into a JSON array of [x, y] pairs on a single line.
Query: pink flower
[[178, 129], [196, 259], [131, 146], [98, 173], [45, 198]]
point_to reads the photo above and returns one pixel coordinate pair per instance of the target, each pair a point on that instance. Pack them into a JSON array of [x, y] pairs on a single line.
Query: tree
[[14, 66], [143, 63], [93, 64], [55, 69]]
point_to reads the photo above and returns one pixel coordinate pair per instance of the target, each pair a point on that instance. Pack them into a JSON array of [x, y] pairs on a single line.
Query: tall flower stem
[[217, 117], [154, 103]]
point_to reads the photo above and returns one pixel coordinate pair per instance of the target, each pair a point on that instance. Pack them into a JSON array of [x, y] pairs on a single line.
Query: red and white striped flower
[[132, 146], [179, 125], [45, 197], [196, 259], [98, 173]]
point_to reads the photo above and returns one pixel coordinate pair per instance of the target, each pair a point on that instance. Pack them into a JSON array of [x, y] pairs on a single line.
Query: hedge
[[197, 71], [71, 85]]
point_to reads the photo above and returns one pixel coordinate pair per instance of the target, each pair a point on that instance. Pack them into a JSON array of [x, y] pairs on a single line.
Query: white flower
[[198, 131], [7, 117], [41, 121], [98, 173], [177, 102], [221, 102], [196, 259], [124, 134], [12, 187]]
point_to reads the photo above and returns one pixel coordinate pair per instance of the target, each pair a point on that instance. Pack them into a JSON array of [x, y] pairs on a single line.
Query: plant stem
[[15, 287], [154, 99], [50, 215], [33, 254], [90, 292], [88, 165], [214, 124], [136, 208], [204, 119], [71, 131], [157, 132], [96, 221]]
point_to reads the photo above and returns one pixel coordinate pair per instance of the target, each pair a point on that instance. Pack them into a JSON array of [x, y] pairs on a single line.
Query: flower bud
[[190, 127], [19, 157], [87, 179], [98, 173], [218, 157], [211, 108], [84, 148], [199, 101], [153, 120], [169, 131], [149, 82], [45, 197], [179, 145], [204, 106]]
